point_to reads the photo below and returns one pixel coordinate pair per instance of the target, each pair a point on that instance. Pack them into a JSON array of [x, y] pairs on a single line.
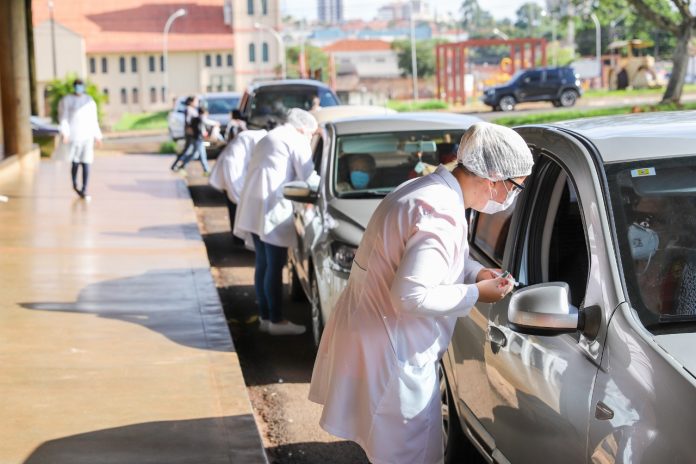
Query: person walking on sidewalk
[[190, 112], [199, 132], [282, 156], [79, 128]]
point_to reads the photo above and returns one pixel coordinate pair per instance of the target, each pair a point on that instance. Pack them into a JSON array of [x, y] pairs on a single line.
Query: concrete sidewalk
[[113, 345]]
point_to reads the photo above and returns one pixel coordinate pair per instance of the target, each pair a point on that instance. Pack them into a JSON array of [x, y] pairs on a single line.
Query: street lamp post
[[544, 14], [598, 44], [281, 44], [414, 59], [53, 39], [165, 61]]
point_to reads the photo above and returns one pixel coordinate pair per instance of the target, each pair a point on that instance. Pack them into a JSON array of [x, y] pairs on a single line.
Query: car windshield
[[654, 206], [277, 101], [372, 165], [221, 105]]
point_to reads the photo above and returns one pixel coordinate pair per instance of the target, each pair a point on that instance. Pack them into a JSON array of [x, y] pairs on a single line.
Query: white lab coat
[[376, 368], [77, 115], [282, 156], [231, 166]]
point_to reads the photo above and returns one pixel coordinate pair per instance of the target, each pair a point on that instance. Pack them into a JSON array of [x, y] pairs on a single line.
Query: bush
[[168, 147], [59, 88]]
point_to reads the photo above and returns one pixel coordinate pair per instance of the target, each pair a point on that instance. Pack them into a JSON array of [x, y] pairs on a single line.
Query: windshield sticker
[[643, 172]]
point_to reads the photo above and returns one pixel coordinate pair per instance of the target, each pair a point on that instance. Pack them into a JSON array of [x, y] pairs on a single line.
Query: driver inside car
[[361, 170]]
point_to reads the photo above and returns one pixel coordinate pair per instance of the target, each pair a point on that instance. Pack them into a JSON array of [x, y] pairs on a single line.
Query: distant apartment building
[[368, 58], [401, 10], [330, 11], [118, 45]]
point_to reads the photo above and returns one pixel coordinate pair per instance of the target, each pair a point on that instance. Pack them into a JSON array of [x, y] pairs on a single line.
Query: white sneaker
[[285, 328], [263, 325]]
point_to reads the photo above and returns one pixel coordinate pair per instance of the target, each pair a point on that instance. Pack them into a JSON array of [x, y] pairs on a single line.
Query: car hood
[[351, 216], [681, 348], [222, 118], [498, 88]]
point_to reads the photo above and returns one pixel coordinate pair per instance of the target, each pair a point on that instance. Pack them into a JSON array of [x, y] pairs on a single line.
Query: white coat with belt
[[231, 166], [376, 368], [282, 156]]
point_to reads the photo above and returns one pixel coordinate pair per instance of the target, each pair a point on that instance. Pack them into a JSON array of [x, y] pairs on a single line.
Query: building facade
[[219, 45], [368, 58], [330, 11]]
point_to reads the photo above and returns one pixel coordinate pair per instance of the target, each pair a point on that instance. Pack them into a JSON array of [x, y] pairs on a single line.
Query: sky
[[367, 9]]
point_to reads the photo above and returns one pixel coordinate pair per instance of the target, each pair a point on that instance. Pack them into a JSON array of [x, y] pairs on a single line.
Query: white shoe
[[263, 325], [285, 328]]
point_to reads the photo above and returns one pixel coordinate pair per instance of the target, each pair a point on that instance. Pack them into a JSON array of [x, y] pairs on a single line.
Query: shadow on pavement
[[155, 188], [339, 452], [205, 195], [227, 253], [212, 440], [182, 305], [187, 231]]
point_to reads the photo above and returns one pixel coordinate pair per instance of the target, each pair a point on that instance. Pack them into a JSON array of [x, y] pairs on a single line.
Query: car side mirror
[[299, 191], [545, 309]]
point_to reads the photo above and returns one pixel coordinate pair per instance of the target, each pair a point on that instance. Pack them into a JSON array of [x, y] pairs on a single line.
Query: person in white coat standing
[[79, 128], [282, 156], [376, 368], [231, 166]]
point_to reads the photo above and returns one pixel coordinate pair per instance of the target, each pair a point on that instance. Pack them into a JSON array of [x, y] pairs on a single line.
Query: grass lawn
[[420, 105], [542, 118], [688, 88], [142, 121]]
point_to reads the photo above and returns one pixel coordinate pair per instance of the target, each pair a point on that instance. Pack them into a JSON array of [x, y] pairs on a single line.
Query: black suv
[[271, 100], [560, 86]]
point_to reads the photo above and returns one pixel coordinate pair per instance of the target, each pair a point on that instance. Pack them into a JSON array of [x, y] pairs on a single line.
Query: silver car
[[330, 222], [219, 105], [593, 357]]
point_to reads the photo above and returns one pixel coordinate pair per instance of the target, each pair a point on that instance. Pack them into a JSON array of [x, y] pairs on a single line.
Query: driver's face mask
[[644, 243]]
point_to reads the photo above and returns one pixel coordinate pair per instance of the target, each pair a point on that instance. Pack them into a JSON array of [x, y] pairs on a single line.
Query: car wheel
[[317, 318], [295, 288], [507, 103], [556, 103], [458, 448], [568, 98]]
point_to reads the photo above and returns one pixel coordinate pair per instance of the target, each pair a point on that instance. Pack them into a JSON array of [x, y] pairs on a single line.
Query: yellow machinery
[[630, 68]]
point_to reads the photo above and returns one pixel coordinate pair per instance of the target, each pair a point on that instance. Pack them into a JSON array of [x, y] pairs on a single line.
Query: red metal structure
[[451, 62]]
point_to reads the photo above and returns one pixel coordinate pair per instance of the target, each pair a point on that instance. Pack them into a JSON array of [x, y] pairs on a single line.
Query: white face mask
[[492, 206]]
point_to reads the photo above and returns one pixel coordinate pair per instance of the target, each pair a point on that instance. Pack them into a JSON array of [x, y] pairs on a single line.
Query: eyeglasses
[[516, 184]]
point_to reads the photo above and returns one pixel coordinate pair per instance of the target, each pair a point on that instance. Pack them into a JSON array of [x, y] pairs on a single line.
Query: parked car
[[219, 107], [591, 358], [559, 86], [330, 222], [43, 127], [273, 99]]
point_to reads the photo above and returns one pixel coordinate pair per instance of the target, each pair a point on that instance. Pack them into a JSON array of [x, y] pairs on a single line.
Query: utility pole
[[414, 59], [53, 39]]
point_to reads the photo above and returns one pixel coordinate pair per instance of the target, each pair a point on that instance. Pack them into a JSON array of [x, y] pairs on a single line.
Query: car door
[[531, 86], [307, 221], [550, 85], [540, 386]]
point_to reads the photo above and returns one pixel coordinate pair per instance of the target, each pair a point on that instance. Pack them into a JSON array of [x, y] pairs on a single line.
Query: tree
[[59, 88], [678, 20], [528, 17], [316, 59], [425, 56], [475, 18]]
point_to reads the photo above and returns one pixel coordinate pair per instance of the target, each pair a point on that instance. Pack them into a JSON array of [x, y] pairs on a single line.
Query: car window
[[383, 161], [553, 75], [277, 101], [532, 77], [490, 232], [654, 206], [557, 244], [180, 106], [221, 105]]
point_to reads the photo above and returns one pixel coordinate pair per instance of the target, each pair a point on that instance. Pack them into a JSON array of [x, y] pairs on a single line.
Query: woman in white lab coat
[[376, 368], [282, 156], [231, 167]]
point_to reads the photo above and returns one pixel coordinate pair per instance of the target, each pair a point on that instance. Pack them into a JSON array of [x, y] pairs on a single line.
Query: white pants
[[82, 151]]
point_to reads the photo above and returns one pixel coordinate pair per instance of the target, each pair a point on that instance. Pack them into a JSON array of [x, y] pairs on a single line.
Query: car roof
[[330, 113], [220, 95], [403, 122], [638, 136], [254, 86]]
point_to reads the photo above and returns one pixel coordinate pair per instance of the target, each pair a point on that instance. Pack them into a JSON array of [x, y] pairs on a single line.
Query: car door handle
[[496, 337]]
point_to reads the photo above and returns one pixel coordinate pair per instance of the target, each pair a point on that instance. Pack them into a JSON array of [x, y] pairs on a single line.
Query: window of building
[[218, 60], [252, 53], [106, 95], [92, 66], [152, 64], [264, 7], [208, 61], [250, 7], [135, 95], [124, 96], [162, 63], [264, 52], [163, 91], [105, 65], [230, 60], [122, 64], [134, 64], [153, 95]]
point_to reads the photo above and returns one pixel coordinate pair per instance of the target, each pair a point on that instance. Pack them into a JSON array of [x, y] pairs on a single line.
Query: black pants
[[82, 191], [232, 210], [187, 147]]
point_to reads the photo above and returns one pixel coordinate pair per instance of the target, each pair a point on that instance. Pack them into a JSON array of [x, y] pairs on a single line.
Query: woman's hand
[[488, 273], [493, 290]]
